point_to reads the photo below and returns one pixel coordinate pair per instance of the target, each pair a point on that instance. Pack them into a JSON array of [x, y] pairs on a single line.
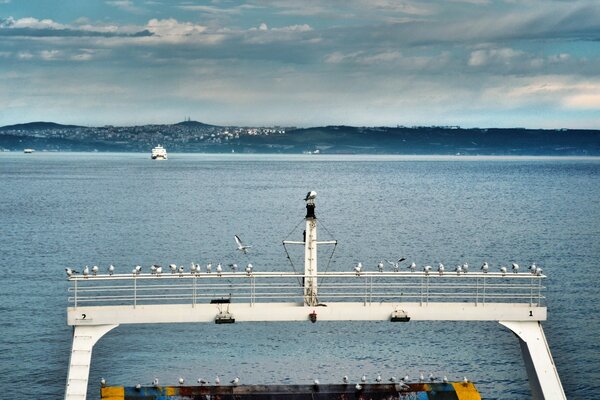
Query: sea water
[[62, 210]]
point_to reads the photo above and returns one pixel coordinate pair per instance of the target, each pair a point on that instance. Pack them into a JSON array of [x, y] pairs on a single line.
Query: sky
[[471, 63]]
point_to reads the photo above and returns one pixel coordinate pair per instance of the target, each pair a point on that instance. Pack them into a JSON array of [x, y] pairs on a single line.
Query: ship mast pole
[[310, 254]]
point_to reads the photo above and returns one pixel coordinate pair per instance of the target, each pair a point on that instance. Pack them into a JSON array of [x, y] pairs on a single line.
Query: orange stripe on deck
[[466, 391], [112, 393]]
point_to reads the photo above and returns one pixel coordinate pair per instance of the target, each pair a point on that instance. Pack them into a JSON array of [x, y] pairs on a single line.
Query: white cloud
[[30, 22], [485, 57], [125, 5], [172, 27]]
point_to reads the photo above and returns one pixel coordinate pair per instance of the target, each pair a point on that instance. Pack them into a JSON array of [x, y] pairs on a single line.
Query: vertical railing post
[[134, 291], [194, 292], [421, 298], [476, 291], [483, 300], [75, 293]]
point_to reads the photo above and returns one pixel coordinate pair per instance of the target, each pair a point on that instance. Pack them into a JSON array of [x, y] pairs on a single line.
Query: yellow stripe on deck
[[466, 391], [112, 393]]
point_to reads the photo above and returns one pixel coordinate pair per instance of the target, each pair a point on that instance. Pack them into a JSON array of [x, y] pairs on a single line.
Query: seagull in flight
[[241, 246]]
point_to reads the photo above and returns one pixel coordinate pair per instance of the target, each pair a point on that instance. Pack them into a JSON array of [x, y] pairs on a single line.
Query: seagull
[[153, 269], [192, 268], [357, 268], [405, 379], [202, 381], [503, 270], [219, 269], [378, 379], [345, 379], [217, 380], [316, 382], [392, 379], [208, 268], [432, 378], [102, 382], [181, 380], [158, 270], [358, 386], [533, 269], [465, 268], [198, 268], [249, 268], [485, 267], [95, 270], [181, 270], [70, 272], [380, 266], [421, 377], [427, 269], [412, 267], [233, 267], [458, 269], [86, 271], [539, 271], [445, 379], [515, 268], [465, 381], [235, 381], [310, 195], [138, 387], [241, 246], [441, 268], [363, 379], [155, 382], [396, 264], [137, 269], [173, 268]]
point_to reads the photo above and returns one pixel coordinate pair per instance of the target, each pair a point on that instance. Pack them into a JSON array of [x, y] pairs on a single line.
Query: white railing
[[368, 288]]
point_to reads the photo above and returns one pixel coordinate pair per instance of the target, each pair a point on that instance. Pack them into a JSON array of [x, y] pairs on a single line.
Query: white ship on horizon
[[159, 153]]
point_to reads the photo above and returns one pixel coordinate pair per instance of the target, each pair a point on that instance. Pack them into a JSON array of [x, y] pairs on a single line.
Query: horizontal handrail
[[366, 287]]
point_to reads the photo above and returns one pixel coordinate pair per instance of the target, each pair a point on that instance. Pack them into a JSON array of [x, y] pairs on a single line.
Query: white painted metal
[[543, 377], [84, 338], [101, 303], [310, 262]]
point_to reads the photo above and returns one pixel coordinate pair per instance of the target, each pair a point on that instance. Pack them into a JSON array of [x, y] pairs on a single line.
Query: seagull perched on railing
[[153, 269], [249, 268], [192, 268], [70, 272], [427, 269], [181, 381], [458, 269], [217, 380], [86, 271], [363, 379], [181, 270], [515, 268], [412, 267], [432, 378], [233, 267], [137, 270], [158, 270], [155, 382], [241, 246], [345, 379], [392, 379], [95, 270], [485, 267], [380, 266], [358, 268], [202, 381], [465, 268], [378, 379], [503, 270], [441, 269], [219, 269], [235, 381], [173, 268], [209, 268], [111, 269]]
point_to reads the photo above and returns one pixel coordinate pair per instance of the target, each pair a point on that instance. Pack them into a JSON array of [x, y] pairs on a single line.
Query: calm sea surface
[[59, 210]]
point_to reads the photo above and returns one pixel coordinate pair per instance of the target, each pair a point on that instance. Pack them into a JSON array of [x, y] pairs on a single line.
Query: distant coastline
[[198, 137]]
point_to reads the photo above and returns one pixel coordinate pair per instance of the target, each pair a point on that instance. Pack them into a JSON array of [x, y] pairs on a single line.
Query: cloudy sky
[[473, 63]]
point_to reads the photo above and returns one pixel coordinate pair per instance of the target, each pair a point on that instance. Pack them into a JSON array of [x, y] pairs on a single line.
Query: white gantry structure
[[99, 303]]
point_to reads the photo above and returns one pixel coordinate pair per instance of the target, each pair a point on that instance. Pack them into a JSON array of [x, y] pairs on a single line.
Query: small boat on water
[[28, 151], [159, 153]]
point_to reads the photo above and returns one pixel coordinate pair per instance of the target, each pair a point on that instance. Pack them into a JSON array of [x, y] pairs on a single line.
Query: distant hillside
[[194, 124], [40, 125]]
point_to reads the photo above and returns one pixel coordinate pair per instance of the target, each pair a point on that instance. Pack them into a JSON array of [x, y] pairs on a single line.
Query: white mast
[[310, 252]]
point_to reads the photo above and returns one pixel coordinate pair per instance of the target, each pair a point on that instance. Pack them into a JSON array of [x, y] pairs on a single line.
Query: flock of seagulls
[[155, 269], [402, 382], [441, 269]]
